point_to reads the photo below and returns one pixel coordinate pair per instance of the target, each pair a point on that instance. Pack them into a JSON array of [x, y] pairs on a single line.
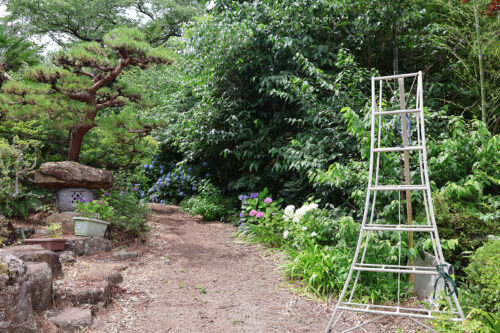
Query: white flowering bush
[[307, 225]]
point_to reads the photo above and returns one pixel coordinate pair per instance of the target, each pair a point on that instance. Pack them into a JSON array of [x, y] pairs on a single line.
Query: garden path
[[194, 276]]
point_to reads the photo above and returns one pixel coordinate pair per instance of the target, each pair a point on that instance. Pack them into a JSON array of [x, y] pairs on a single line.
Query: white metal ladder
[[368, 226]]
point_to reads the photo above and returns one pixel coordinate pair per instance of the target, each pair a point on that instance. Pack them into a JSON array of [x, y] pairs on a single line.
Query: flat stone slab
[[71, 319], [87, 245], [40, 285], [71, 174], [86, 292], [33, 253]]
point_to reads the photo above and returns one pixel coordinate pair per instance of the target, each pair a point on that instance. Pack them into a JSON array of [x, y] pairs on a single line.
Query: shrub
[[260, 219], [209, 203], [483, 275], [163, 182], [130, 212]]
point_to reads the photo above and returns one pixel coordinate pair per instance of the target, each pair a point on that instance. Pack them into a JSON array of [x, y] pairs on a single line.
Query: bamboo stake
[[406, 156], [480, 59]]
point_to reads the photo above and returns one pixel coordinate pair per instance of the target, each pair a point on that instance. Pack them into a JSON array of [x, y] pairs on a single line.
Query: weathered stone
[[71, 319], [66, 221], [66, 256], [68, 197], [24, 232], [33, 253], [88, 245], [88, 292], [113, 277], [40, 285], [72, 174], [125, 255], [16, 313]]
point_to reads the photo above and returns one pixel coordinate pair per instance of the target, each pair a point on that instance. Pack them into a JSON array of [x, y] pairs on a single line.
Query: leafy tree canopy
[[90, 20], [82, 82]]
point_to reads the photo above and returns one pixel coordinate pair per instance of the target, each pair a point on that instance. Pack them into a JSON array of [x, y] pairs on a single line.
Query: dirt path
[[195, 276]]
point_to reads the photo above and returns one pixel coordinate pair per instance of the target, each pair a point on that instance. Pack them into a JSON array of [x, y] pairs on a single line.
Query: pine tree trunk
[[76, 142]]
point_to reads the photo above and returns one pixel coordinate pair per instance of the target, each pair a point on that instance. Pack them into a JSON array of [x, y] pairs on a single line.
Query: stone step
[[87, 245], [71, 319], [33, 253], [40, 285]]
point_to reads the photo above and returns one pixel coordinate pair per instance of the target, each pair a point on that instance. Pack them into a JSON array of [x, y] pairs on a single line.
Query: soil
[[195, 276]]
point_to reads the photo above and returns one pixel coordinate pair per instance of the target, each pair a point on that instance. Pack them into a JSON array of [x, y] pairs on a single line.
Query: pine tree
[[81, 82]]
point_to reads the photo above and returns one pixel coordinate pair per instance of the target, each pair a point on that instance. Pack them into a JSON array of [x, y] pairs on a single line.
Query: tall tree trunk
[[76, 141]]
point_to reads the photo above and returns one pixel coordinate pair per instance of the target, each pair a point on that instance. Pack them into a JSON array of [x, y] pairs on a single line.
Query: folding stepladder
[[368, 226]]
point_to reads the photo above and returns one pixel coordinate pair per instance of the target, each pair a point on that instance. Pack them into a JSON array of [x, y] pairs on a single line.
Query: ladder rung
[[398, 310], [397, 187], [409, 148], [397, 76], [384, 113], [424, 270], [398, 227]]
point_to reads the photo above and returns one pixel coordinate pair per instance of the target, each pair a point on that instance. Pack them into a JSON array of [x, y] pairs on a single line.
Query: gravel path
[[194, 276]]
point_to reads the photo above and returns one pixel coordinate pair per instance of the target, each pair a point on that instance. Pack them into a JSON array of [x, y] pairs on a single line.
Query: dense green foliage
[[208, 203], [269, 94], [483, 275], [91, 20]]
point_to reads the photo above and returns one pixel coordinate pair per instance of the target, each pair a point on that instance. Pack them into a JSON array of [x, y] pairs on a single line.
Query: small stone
[[71, 319], [67, 256], [40, 285], [125, 255], [113, 277]]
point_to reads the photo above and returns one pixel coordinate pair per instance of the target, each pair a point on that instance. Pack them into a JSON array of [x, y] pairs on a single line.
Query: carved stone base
[[67, 197]]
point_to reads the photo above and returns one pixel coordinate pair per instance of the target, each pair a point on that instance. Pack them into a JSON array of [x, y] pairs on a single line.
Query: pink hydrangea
[[259, 214], [268, 200], [253, 212]]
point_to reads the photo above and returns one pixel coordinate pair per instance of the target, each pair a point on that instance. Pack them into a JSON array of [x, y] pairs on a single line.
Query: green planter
[[85, 226]]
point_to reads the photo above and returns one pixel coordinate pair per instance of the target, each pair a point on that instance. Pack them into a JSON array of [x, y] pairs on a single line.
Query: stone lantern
[[72, 180]]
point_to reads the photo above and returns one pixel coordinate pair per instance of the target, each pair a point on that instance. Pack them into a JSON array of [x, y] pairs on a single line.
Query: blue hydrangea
[[205, 164]]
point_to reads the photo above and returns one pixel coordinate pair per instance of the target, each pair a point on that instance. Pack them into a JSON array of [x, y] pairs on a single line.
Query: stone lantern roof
[[72, 174]]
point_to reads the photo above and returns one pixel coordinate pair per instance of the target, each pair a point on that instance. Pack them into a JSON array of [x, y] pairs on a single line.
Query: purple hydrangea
[[106, 194], [254, 195], [243, 197], [242, 214]]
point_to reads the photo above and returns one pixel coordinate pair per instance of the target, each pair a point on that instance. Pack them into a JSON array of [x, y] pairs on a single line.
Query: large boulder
[[66, 221], [33, 253], [16, 313], [40, 285], [72, 174]]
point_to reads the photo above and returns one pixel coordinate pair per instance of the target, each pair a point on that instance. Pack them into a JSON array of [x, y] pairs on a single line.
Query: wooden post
[[406, 156]]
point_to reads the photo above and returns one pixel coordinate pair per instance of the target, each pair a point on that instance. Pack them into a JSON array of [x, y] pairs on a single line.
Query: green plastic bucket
[[85, 226]]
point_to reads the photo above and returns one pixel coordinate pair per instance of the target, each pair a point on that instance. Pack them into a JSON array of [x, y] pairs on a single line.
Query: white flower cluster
[[295, 215]]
